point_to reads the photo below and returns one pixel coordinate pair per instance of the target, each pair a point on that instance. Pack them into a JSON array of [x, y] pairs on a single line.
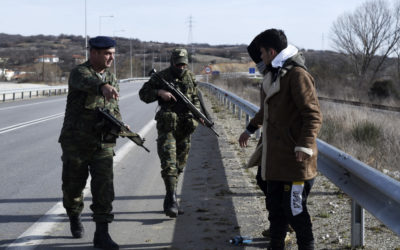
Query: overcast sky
[[306, 23]]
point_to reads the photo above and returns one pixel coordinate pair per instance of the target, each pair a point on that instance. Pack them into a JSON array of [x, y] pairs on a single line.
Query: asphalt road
[[30, 180], [218, 199]]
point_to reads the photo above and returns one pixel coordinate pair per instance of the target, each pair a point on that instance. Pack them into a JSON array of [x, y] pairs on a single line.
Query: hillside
[[332, 71], [19, 53]]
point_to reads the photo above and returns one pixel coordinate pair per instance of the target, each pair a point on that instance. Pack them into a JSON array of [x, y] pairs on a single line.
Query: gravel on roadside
[[329, 207]]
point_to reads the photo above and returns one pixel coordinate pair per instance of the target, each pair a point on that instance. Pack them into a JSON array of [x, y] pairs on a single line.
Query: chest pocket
[[185, 85]]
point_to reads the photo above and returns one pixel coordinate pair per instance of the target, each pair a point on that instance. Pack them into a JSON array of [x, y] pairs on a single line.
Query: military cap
[[179, 56], [101, 42]]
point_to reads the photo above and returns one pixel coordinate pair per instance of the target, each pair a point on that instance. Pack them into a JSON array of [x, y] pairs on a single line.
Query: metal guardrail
[[134, 79], [369, 189], [21, 93]]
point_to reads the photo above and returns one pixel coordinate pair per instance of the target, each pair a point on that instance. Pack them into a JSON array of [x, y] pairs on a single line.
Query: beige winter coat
[[291, 117]]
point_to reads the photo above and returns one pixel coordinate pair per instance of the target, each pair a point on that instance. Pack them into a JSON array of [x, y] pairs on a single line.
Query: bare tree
[[369, 33]]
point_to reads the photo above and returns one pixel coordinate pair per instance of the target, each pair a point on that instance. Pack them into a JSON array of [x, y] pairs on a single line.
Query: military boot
[[76, 226], [102, 238], [180, 209], [170, 204]]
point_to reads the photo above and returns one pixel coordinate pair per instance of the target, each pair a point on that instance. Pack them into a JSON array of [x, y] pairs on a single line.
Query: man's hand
[[244, 137], [165, 95], [301, 156], [109, 92]]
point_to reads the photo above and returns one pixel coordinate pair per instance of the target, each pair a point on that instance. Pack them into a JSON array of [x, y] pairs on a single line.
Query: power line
[[190, 39]]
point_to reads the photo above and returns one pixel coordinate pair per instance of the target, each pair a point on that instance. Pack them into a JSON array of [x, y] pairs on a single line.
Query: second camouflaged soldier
[[175, 124], [86, 146]]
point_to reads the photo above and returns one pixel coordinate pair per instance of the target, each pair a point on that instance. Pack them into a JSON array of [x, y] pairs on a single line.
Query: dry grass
[[349, 129], [372, 136]]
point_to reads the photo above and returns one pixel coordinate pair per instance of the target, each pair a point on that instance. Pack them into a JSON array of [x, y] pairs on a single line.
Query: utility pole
[[115, 55], [130, 53], [152, 58], [159, 46], [43, 67], [190, 39], [86, 41], [144, 61]]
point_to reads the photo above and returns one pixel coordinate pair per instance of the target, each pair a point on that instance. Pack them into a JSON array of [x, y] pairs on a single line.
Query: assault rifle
[[121, 129], [181, 97]]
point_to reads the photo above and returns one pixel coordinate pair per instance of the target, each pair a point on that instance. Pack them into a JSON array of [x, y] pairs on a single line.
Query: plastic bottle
[[238, 240]]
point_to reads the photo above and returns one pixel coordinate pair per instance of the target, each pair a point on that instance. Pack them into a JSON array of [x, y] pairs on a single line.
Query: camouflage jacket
[[186, 84], [82, 124]]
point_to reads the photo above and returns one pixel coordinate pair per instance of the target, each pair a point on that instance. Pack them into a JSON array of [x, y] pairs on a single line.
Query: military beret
[[179, 56], [101, 42]]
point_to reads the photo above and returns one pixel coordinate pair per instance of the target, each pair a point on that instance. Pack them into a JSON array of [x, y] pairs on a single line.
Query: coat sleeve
[[117, 111], [81, 78], [305, 97], [149, 91]]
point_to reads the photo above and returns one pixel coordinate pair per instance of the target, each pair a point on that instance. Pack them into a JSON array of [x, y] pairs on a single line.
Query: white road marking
[[58, 100], [43, 119], [35, 234], [29, 123], [31, 104]]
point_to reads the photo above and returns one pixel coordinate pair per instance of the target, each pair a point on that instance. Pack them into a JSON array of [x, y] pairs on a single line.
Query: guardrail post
[[30, 94], [233, 108], [14, 96], [4, 97], [239, 114], [22, 95], [357, 225]]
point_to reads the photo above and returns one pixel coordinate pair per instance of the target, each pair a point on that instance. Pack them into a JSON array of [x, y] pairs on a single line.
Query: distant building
[[7, 74], [47, 59], [78, 59]]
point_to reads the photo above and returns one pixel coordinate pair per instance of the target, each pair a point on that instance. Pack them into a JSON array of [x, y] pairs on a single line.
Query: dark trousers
[[287, 204], [78, 162], [261, 183]]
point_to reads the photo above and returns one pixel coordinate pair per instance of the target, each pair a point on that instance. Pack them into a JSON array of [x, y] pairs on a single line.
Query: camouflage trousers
[[173, 150], [78, 162]]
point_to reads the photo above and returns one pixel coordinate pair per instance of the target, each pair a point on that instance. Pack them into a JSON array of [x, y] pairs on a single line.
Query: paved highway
[[30, 180], [31, 212]]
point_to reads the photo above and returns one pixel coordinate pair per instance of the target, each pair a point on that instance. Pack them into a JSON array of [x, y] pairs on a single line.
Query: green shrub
[[382, 89], [366, 132]]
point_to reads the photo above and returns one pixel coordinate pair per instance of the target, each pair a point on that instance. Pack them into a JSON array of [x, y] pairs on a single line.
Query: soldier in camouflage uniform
[[86, 146], [175, 124]]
